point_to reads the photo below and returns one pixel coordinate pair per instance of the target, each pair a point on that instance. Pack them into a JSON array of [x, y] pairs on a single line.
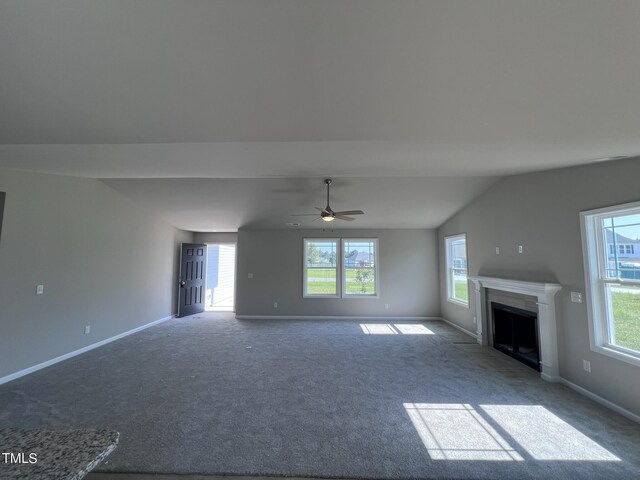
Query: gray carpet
[[215, 395]]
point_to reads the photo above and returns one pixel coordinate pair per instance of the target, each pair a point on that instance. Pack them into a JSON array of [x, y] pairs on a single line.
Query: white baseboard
[[42, 365], [462, 329], [331, 317], [602, 401], [550, 378]]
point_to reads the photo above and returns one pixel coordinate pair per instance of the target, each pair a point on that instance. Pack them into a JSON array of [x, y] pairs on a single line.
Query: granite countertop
[[52, 454]]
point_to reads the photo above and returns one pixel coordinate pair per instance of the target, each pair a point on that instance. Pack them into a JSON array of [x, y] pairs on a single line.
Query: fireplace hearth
[[515, 332]]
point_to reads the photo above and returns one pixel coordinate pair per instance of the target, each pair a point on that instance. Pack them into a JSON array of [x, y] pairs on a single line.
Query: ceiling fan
[[327, 214]]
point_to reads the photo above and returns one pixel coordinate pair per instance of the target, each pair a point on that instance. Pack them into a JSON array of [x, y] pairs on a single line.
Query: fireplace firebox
[[515, 332]]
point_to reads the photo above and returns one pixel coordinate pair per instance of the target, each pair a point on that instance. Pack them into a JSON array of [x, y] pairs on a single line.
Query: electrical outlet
[[520, 249], [386, 306], [586, 364], [275, 304], [39, 289], [87, 329], [474, 320], [497, 250], [249, 275], [576, 297]]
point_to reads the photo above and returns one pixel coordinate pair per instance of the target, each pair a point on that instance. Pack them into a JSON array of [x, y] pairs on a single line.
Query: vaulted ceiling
[[152, 93]]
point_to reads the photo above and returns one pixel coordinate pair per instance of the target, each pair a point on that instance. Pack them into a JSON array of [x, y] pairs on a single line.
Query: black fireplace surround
[[515, 332]]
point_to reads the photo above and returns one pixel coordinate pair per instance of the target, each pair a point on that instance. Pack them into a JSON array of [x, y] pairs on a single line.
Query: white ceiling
[[241, 89]]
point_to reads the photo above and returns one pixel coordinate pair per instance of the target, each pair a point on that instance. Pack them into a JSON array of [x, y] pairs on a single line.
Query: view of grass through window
[[626, 316], [359, 267], [461, 289], [355, 258], [457, 285], [321, 267], [620, 246]]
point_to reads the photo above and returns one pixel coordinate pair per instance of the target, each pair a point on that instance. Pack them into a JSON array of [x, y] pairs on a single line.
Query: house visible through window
[[355, 259], [321, 267], [456, 261], [359, 267], [627, 249], [611, 239]]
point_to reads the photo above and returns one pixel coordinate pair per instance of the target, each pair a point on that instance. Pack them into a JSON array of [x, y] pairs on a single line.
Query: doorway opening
[[221, 277]]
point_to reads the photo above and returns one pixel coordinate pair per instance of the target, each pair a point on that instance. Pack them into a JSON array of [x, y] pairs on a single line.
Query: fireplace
[[534, 297], [515, 332]]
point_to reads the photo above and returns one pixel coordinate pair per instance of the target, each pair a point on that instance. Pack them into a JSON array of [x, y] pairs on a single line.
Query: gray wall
[[215, 237], [541, 212], [407, 263], [103, 262]]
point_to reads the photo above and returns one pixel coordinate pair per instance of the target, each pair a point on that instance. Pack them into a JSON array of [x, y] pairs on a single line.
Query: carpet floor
[[214, 395]]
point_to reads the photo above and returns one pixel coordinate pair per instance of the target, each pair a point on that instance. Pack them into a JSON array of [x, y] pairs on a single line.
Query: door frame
[[235, 270]]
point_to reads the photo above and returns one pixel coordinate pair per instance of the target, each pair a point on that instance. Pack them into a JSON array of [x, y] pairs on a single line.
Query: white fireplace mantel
[[547, 331]]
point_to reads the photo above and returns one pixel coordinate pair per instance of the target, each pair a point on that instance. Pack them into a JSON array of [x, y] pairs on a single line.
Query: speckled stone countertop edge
[[63, 454]]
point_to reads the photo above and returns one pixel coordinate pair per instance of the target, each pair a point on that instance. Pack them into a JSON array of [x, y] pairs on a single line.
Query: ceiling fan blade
[[320, 209], [303, 214], [342, 217], [351, 212], [316, 219]]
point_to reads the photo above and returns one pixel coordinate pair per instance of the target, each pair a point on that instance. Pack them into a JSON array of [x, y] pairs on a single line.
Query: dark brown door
[[193, 265]]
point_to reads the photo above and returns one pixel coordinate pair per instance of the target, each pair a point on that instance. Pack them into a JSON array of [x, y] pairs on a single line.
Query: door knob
[[182, 284]]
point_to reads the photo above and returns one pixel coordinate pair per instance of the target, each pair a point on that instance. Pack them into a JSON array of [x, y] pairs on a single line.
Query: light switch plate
[[497, 250], [249, 275], [39, 289], [576, 297]]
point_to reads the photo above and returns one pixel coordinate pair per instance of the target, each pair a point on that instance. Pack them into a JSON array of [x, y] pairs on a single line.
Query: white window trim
[[447, 255], [376, 267], [305, 242], [596, 304]]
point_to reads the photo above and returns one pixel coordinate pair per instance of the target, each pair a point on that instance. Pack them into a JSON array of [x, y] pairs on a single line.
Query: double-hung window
[[321, 267], [359, 267], [335, 268], [456, 265], [611, 243]]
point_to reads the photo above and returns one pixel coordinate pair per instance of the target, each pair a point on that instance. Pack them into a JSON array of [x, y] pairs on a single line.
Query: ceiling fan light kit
[[327, 214]]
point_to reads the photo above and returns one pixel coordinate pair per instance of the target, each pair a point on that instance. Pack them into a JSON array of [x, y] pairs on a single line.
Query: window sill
[[458, 303], [373, 297], [613, 352], [320, 296]]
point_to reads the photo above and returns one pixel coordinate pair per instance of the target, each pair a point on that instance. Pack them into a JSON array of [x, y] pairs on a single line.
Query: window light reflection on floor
[[388, 329], [460, 432], [545, 436], [413, 329], [378, 329]]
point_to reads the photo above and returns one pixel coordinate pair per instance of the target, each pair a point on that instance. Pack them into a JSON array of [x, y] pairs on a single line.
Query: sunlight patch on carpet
[[545, 436], [501, 433], [378, 329], [457, 432], [413, 329]]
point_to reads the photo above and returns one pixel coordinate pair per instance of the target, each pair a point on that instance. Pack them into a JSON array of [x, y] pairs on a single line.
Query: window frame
[[376, 267], [594, 252], [305, 243], [448, 240]]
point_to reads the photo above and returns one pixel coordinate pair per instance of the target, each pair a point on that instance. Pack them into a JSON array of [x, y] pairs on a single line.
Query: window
[[359, 267], [456, 258], [321, 267], [355, 259], [611, 241]]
